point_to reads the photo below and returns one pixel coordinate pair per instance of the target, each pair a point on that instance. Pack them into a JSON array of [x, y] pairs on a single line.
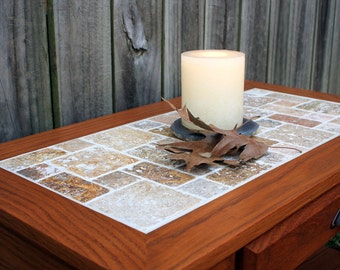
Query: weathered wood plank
[[83, 51], [331, 78], [222, 24], [25, 100], [254, 38], [172, 48], [137, 52], [183, 31], [278, 42], [193, 24], [300, 43]]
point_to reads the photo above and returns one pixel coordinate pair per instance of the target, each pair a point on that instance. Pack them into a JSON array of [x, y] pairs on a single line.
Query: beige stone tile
[[123, 137], [31, 158], [284, 110], [336, 121], [167, 118], [298, 135], [116, 179], [204, 188], [322, 107], [257, 101], [74, 145], [320, 117], [152, 153], [293, 98], [144, 205], [286, 103], [94, 162], [145, 124]]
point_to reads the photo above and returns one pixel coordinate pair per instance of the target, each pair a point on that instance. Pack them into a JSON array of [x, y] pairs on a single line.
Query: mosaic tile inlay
[[121, 173]]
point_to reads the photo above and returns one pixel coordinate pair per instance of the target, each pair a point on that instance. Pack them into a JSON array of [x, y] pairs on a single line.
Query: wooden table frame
[[34, 220]]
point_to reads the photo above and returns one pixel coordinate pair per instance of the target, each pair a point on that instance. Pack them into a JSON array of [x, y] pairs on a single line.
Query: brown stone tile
[[164, 130], [39, 171], [160, 174], [74, 187], [236, 176], [295, 120]]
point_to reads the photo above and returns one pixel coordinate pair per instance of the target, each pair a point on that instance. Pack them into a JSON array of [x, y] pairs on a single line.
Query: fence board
[[254, 37], [83, 51], [300, 43], [333, 79], [183, 31], [25, 101], [278, 42], [172, 47], [193, 24], [222, 24], [137, 52]]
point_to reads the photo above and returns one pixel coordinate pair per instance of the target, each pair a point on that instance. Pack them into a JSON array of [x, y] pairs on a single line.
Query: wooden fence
[[65, 61]]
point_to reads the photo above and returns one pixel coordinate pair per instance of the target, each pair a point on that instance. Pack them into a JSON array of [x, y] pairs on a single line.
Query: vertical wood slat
[[25, 100], [193, 14], [222, 24], [83, 52], [137, 52], [331, 78], [299, 37], [183, 30], [172, 47], [300, 43], [278, 42], [254, 38]]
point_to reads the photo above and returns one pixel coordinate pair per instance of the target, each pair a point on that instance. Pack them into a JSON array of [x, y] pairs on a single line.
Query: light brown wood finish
[[307, 230], [201, 239]]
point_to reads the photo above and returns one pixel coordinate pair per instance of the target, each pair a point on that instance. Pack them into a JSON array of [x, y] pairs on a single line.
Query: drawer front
[[292, 241]]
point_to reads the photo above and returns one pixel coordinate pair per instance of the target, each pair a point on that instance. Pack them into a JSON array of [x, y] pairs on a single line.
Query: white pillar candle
[[213, 85]]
